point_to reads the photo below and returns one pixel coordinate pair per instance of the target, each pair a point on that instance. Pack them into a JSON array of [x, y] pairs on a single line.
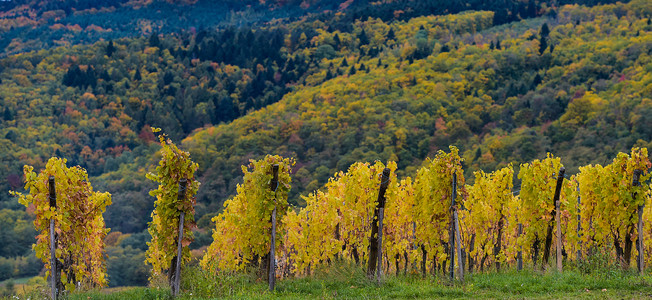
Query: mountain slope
[[584, 98]]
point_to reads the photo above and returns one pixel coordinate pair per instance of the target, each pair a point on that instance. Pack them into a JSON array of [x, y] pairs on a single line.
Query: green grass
[[349, 282], [22, 280]]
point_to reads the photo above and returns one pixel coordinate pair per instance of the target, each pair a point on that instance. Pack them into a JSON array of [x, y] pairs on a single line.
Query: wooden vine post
[[519, 254], [54, 278], [558, 223], [273, 185], [579, 224], [374, 265], [555, 214], [639, 242], [177, 270], [455, 235]]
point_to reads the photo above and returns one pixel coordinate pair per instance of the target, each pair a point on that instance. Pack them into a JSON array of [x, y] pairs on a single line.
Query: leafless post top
[[384, 182], [182, 188], [454, 191], [274, 183], [53, 193], [560, 179], [637, 176]]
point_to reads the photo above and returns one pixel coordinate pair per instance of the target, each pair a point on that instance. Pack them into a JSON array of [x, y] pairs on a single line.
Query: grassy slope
[[348, 283]]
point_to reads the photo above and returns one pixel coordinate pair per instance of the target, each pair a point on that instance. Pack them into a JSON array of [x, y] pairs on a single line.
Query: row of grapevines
[[534, 210], [609, 203], [242, 232], [485, 217], [335, 224], [174, 165], [399, 232], [318, 242], [432, 203], [647, 225], [79, 224]]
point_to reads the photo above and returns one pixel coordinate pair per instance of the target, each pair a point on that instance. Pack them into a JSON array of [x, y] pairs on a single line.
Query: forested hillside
[[332, 85], [35, 24], [576, 85], [29, 25]]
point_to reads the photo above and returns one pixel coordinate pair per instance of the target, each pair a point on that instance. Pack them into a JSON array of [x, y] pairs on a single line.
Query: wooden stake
[[546, 250], [639, 242], [177, 270], [519, 254], [53, 241], [558, 222], [579, 223], [640, 261], [379, 264], [273, 185], [458, 237], [454, 232], [375, 241]]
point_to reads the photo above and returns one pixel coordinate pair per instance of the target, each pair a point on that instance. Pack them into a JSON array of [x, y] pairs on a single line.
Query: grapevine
[[79, 224], [608, 199], [241, 235], [486, 215], [433, 189], [174, 165], [538, 180]]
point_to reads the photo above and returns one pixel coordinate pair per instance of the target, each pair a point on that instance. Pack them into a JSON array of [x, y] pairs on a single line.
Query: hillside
[[29, 25], [35, 24], [443, 80], [329, 89]]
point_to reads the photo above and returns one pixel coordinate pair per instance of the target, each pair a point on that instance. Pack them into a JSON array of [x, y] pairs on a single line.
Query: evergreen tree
[[154, 40], [71, 78], [91, 79], [137, 76], [390, 34], [537, 80], [8, 116], [329, 75], [110, 49], [545, 31], [364, 40], [352, 70], [543, 44]]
